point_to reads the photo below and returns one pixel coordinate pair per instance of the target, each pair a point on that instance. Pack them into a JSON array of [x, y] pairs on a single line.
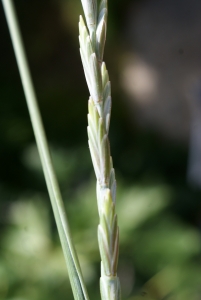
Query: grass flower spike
[[92, 42]]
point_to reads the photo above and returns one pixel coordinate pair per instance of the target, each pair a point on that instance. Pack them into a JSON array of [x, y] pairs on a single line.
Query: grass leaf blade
[[75, 275]]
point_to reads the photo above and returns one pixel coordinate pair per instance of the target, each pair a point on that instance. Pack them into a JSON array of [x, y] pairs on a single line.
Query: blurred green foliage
[[159, 215]]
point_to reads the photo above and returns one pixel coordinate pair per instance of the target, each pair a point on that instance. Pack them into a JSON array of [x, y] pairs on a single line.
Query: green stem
[[75, 275]]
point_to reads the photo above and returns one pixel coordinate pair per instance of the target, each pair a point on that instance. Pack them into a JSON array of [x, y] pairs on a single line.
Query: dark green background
[[159, 214]]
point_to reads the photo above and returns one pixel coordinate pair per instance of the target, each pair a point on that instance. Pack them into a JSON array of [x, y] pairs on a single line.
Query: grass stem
[[75, 275]]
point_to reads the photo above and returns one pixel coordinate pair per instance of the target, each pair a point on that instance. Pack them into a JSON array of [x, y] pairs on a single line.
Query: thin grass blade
[[75, 275]]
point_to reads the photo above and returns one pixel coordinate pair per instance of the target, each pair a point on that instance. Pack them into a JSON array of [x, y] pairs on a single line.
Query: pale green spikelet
[[101, 31], [90, 11]]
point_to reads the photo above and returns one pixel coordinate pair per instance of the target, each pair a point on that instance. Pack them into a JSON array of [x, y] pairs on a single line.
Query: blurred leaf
[[137, 204]]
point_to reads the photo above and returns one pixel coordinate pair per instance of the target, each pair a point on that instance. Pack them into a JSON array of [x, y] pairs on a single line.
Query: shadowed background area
[[153, 57]]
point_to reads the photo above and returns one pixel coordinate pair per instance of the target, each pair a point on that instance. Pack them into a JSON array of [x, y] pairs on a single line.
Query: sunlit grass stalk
[[78, 287], [92, 41]]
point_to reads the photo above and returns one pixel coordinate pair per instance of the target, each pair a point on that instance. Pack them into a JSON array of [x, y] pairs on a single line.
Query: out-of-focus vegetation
[[159, 214]]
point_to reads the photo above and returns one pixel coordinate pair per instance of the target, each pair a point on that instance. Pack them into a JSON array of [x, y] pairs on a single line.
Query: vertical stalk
[[92, 41], [75, 275]]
